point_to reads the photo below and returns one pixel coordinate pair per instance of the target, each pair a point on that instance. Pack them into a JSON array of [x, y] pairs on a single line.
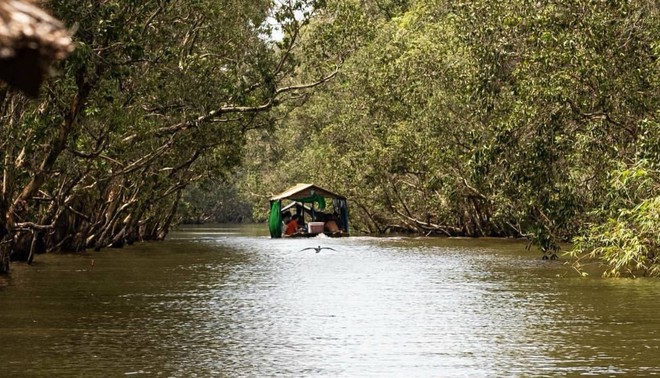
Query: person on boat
[[291, 226], [286, 218], [331, 225], [301, 221]]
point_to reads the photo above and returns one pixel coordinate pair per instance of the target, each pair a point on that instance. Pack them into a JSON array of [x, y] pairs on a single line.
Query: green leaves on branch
[[627, 240], [476, 118], [157, 96]]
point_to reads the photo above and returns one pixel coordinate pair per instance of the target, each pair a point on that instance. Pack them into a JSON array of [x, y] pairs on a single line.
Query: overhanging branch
[[267, 105]]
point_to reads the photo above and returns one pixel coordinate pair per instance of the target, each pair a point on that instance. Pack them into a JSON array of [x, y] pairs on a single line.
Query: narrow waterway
[[229, 301]]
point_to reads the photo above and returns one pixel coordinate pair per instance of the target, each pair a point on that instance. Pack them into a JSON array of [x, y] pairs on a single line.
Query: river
[[230, 302]]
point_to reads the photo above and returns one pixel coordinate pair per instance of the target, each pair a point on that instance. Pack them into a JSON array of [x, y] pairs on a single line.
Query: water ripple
[[220, 302]]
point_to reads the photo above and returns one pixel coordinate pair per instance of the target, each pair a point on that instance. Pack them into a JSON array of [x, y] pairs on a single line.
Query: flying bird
[[318, 249]]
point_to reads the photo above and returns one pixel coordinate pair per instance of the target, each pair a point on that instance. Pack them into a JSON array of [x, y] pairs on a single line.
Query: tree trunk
[[165, 228]]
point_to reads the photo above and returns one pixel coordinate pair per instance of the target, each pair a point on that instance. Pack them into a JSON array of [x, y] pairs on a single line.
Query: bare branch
[[33, 226]]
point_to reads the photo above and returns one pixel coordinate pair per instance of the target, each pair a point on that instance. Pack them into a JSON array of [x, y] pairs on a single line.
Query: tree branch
[[267, 105]]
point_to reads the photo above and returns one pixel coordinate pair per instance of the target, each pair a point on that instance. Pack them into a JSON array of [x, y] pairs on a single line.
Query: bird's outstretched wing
[[304, 249]]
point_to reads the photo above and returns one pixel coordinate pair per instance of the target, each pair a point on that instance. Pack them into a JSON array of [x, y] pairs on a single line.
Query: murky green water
[[231, 302]]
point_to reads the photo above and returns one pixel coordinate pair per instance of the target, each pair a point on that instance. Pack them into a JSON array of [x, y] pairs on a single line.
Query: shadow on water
[[229, 301]]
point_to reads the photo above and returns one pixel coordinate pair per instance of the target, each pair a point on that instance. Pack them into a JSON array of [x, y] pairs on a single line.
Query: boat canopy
[[305, 194]]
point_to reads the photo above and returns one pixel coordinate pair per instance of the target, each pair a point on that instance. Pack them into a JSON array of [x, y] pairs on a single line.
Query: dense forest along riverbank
[[229, 301]]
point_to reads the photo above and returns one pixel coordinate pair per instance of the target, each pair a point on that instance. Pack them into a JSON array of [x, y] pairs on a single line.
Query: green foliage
[[627, 240], [473, 118], [157, 97], [213, 201]]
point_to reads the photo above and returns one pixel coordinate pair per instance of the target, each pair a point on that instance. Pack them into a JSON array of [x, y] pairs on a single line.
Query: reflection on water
[[232, 302]]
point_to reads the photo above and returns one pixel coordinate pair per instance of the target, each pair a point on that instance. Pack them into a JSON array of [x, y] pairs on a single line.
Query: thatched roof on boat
[[30, 40], [301, 191]]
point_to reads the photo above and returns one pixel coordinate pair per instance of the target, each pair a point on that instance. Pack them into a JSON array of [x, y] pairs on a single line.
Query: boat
[[317, 207]]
